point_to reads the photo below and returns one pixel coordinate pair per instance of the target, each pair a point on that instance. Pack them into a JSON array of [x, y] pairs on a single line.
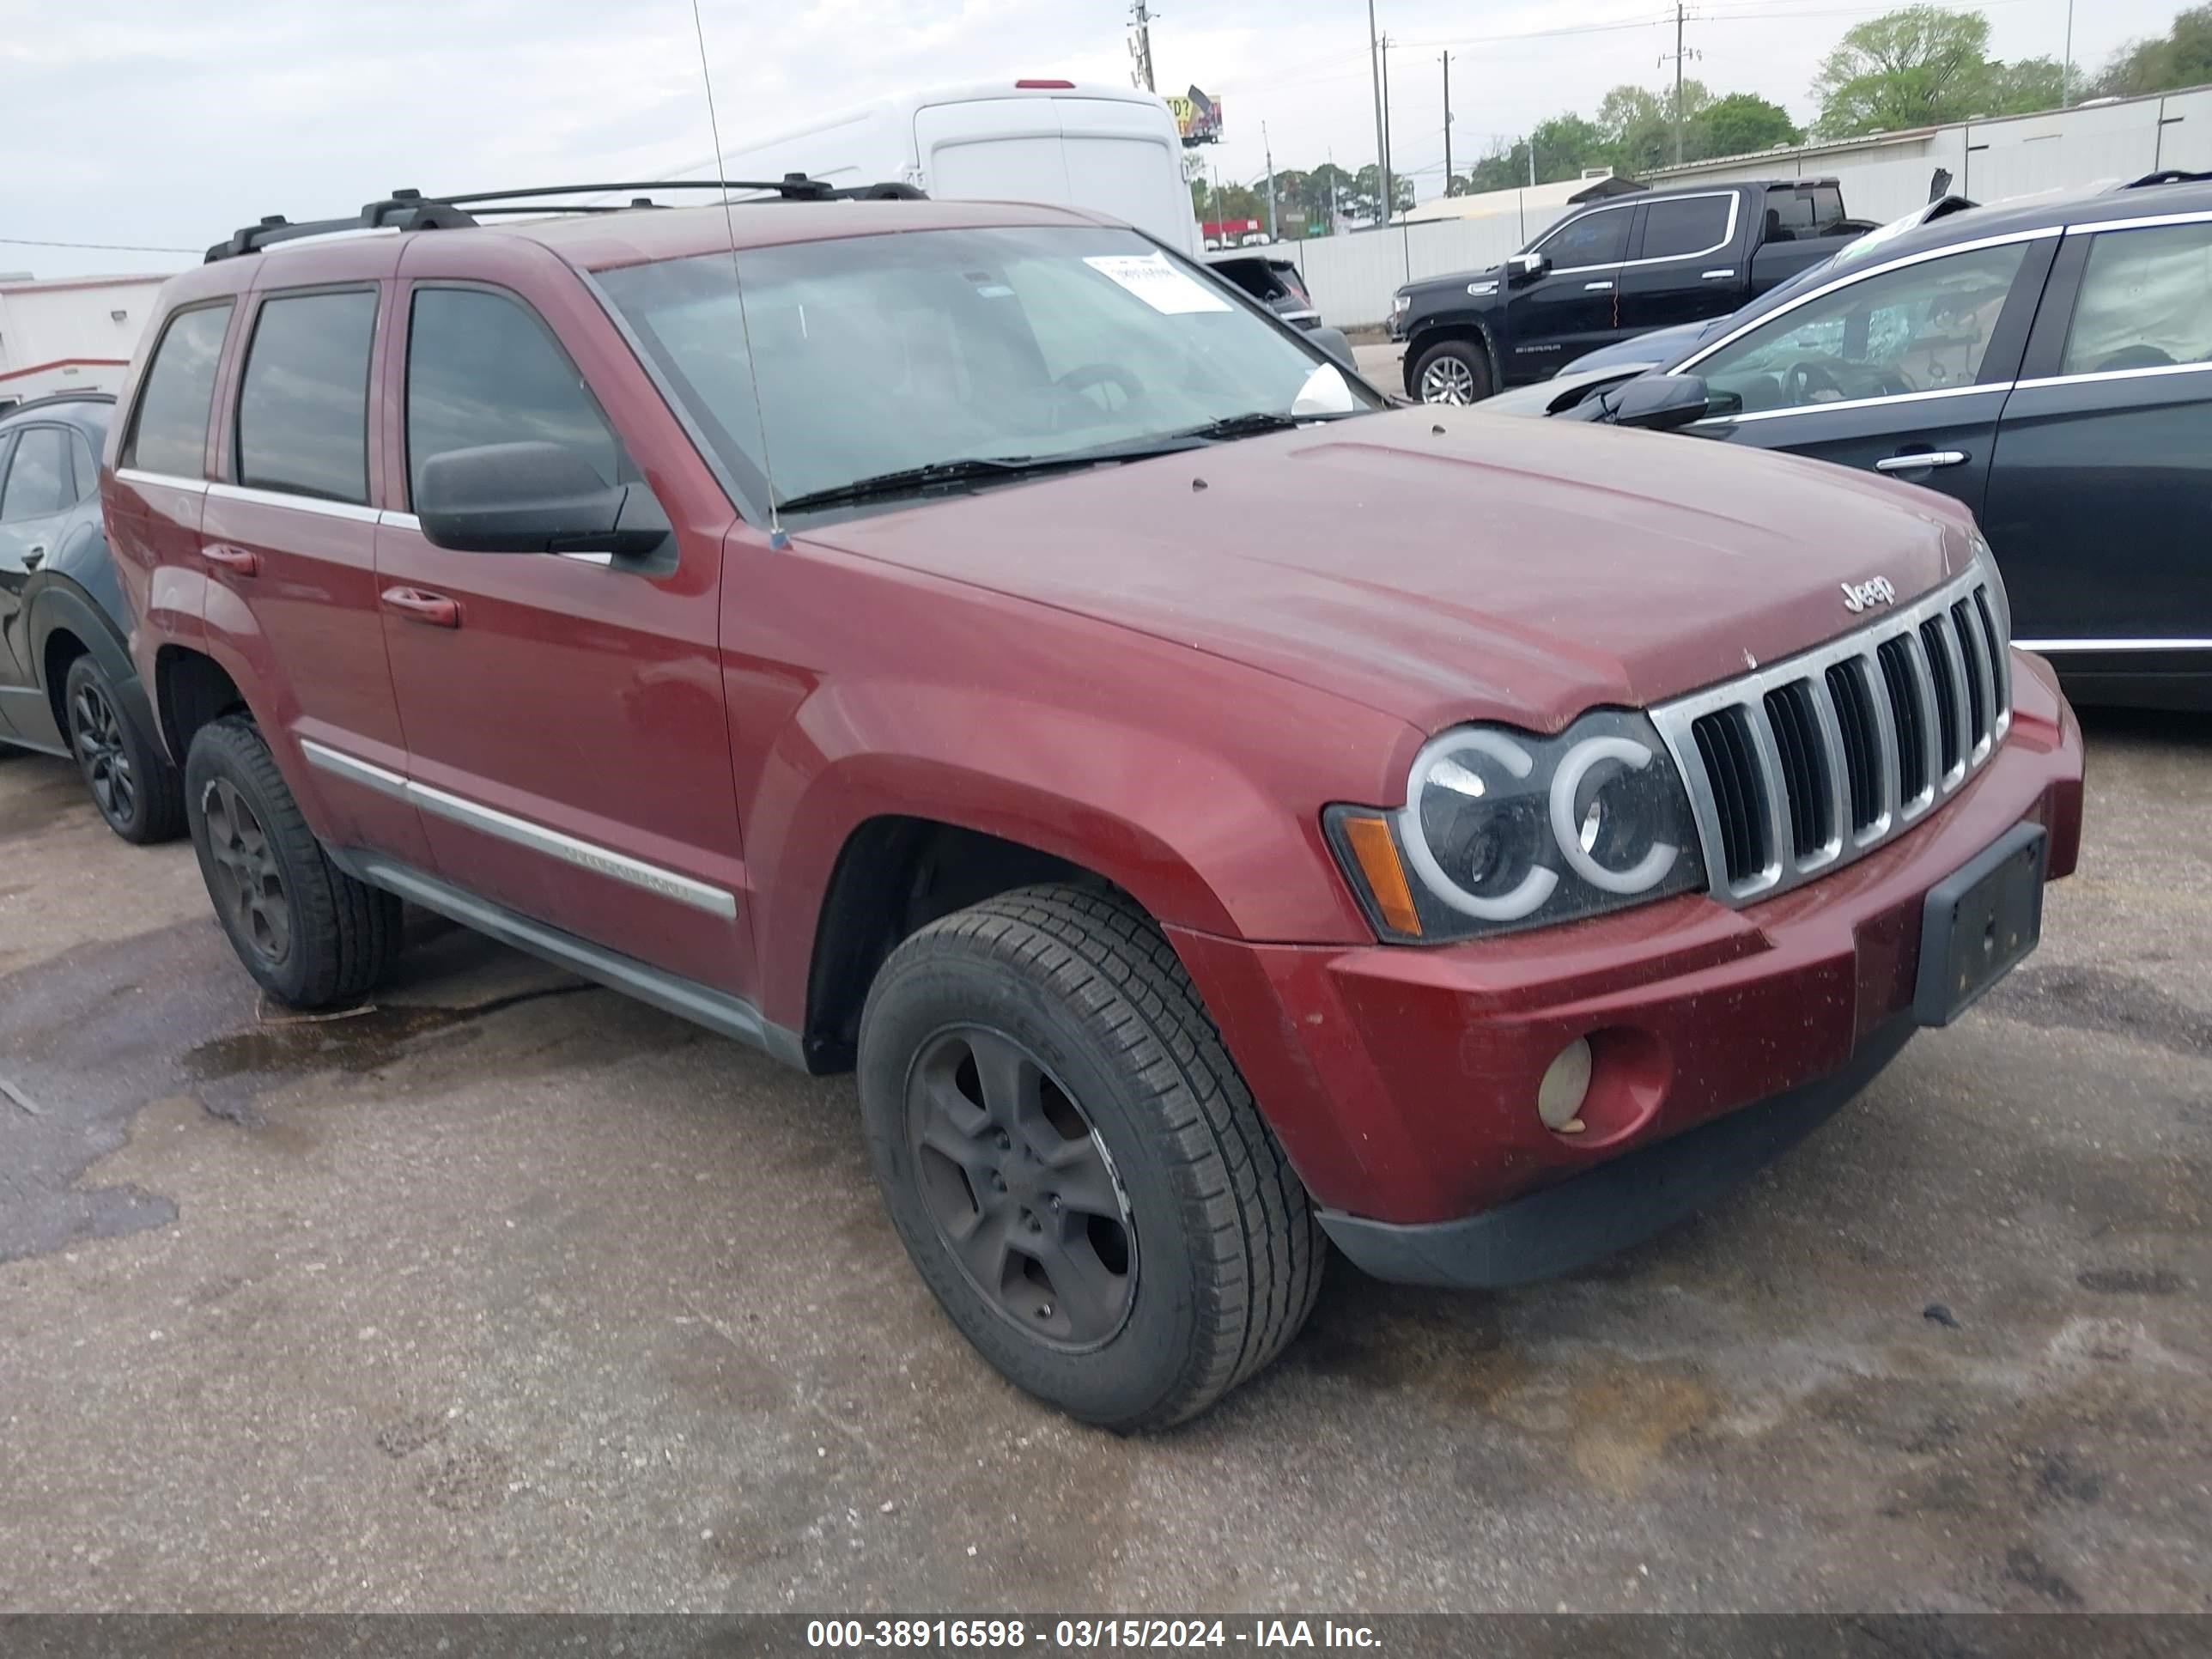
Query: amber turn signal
[[1369, 838]]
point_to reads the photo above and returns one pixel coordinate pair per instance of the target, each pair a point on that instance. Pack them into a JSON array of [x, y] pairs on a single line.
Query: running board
[[687, 999]]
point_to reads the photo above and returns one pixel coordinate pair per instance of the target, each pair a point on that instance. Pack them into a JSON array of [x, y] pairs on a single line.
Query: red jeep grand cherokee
[[1217, 813]]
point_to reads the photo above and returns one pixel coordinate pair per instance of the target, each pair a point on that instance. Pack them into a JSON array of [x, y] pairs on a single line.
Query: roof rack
[[410, 209], [2169, 176]]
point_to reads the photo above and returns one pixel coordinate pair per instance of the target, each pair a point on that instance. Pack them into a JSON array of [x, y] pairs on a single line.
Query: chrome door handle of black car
[[1925, 458], [1596, 287]]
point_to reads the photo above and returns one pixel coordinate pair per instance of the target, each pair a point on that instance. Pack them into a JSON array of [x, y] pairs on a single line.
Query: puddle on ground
[[356, 1040]]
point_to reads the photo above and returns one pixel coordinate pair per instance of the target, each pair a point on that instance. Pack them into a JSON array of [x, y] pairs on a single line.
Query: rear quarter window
[[168, 434]]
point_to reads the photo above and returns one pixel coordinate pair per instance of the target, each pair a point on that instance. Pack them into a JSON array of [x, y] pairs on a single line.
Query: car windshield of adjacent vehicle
[[888, 366]]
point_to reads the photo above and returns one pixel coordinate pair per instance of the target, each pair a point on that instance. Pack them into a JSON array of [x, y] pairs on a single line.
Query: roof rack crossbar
[[410, 209], [2169, 176]]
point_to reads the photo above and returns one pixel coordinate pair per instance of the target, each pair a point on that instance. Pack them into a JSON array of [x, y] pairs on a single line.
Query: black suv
[[2048, 363], [66, 683], [1610, 270]]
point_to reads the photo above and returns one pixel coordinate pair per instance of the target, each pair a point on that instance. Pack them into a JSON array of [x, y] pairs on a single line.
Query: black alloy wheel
[[96, 735], [1020, 1188], [245, 879]]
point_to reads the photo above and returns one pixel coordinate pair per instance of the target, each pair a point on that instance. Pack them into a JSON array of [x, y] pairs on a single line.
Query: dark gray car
[[67, 686]]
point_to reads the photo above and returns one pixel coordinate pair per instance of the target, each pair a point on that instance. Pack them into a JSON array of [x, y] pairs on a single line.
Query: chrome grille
[[1805, 765]]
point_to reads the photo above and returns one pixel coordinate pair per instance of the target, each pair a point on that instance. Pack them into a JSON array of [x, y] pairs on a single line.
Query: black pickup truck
[[1614, 269]]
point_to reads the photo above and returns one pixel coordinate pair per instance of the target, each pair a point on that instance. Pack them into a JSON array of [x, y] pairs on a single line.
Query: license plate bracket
[[1979, 922]]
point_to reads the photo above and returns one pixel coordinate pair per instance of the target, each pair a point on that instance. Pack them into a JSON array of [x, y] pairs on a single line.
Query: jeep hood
[[1444, 564]]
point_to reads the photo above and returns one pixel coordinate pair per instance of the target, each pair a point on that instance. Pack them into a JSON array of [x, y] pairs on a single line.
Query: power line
[[101, 247]]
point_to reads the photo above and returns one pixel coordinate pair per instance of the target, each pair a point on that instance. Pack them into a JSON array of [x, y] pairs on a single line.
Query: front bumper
[[1403, 1080]]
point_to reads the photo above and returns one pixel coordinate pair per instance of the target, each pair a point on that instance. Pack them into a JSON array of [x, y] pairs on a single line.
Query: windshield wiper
[[1003, 469]]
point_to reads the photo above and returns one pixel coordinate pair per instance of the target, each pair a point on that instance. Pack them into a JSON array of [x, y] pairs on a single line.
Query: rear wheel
[[309, 933], [1074, 1163], [131, 782], [1452, 372]]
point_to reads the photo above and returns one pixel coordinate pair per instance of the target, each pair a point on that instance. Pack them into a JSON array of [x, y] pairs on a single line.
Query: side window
[[303, 404], [1596, 239], [169, 433], [482, 369], [1916, 329], [88, 464], [1695, 226], [2145, 301], [38, 484]]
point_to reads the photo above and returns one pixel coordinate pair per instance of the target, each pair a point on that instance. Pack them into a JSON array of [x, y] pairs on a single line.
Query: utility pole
[[2066, 74], [1678, 80], [1375, 74], [1389, 195], [1142, 46], [1268, 150], [1448, 172]]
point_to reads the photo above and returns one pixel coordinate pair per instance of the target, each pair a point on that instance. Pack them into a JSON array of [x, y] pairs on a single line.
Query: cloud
[[146, 121]]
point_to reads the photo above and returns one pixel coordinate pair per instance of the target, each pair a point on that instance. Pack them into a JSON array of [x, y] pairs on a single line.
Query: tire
[[137, 791], [1221, 1257], [1452, 372], [335, 936]]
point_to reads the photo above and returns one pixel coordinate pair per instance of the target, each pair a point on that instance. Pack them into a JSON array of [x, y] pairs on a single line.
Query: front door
[[1903, 372], [566, 738], [2100, 496], [1574, 307]]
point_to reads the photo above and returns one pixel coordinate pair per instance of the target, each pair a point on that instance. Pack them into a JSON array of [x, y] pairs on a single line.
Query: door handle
[[1920, 459], [1596, 287], [34, 556], [434, 609], [1718, 275], [238, 560]]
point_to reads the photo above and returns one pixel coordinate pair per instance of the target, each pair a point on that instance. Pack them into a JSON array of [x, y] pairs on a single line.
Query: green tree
[[1914, 68], [1638, 125], [1565, 144], [2180, 57], [2023, 87], [1738, 125]]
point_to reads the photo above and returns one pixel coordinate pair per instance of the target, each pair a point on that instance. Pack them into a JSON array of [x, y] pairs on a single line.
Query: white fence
[[1352, 278]]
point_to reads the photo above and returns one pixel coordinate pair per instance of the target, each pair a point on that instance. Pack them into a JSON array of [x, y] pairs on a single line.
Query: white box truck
[[1112, 149]]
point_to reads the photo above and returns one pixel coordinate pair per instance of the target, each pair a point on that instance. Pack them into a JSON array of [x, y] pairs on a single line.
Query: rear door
[[1684, 267], [1902, 369], [37, 490], [2100, 496], [290, 536], [564, 713], [1574, 307]]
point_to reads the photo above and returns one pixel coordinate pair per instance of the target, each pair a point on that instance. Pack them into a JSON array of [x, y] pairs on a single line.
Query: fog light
[[1566, 1081]]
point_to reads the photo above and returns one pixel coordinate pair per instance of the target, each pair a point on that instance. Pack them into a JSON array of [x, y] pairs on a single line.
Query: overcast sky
[[149, 121]]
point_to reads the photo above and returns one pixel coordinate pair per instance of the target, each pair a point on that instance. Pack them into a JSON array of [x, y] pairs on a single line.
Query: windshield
[[879, 355]]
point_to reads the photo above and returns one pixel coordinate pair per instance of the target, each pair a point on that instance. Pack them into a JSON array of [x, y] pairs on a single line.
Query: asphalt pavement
[[505, 1292]]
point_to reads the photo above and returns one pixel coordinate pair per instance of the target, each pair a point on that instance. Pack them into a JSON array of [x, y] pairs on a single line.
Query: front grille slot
[[2000, 659], [1724, 744], [1932, 633], [1900, 676], [1804, 759], [1979, 693], [1855, 719], [1799, 768]]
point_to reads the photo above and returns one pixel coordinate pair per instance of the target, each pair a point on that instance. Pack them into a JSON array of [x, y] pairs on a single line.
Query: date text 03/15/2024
[[1012, 1635]]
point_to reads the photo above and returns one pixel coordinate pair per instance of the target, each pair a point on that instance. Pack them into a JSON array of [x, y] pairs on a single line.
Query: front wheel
[[1452, 372], [1074, 1163]]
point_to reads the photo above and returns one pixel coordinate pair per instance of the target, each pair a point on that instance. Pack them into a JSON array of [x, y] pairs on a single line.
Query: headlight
[[1401, 303], [1503, 831]]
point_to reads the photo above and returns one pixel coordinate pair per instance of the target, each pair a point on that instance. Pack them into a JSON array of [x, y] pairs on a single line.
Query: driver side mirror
[[1657, 403], [1527, 267], [534, 498], [1333, 342]]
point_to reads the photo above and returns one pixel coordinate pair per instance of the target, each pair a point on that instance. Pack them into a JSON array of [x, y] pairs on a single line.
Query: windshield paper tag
[[1157, 282]]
